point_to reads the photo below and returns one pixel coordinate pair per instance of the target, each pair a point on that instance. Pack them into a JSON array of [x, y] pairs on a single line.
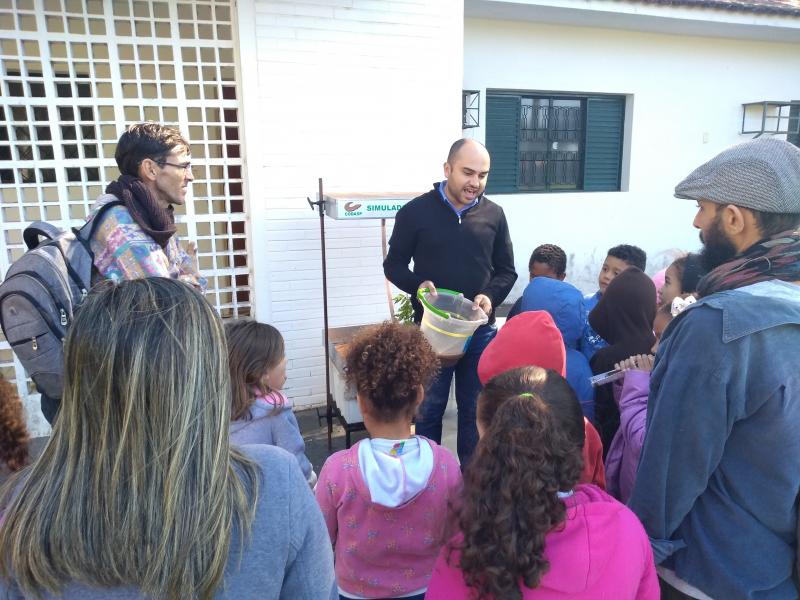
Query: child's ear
[[361, 404], [260, 386], [420, 397]]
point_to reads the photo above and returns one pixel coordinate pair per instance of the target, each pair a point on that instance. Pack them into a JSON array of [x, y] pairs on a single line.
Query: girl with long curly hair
[[387, 499], [528, 530]]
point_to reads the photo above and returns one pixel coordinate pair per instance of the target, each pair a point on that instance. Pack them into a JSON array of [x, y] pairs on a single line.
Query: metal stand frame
[[331, 410], [329, 404]]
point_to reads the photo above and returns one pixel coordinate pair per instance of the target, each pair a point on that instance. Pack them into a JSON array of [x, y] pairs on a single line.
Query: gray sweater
[[288, 554], [267, 424]]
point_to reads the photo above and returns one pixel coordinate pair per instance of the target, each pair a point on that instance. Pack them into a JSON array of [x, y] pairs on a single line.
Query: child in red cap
[[532, 339]]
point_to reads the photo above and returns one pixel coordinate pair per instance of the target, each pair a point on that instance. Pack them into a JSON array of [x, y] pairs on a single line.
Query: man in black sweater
[[458, 240]]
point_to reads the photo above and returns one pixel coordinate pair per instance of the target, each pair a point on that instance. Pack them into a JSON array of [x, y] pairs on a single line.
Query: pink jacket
[[602, 552], [623, 455], [385, 552]]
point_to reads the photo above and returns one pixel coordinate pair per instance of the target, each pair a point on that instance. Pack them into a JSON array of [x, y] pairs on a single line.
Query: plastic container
[[448, 322]]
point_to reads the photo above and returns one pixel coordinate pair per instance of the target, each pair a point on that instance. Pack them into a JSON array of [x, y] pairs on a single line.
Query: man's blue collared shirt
[[442, 187]]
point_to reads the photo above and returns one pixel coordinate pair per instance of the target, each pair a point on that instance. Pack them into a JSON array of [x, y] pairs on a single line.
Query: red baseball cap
[[530, 339]]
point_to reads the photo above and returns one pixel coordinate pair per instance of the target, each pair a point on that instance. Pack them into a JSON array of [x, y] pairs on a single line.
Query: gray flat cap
[[762, 174]]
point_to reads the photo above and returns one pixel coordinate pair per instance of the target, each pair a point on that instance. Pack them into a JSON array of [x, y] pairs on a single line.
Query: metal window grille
[[470, 108], [551, 143], [73, 74], [771, 118]]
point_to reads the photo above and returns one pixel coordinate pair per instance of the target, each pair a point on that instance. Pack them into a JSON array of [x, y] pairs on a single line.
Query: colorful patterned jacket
[[122, 250]]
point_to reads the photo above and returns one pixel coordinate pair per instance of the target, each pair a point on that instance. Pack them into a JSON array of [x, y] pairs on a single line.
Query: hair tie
[[680, 304], [525, 395]]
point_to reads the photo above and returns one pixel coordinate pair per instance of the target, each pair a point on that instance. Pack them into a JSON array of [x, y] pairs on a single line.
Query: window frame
[[585, 99]]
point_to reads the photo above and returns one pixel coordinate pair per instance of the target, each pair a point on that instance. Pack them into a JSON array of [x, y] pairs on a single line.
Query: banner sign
[[365, 207]]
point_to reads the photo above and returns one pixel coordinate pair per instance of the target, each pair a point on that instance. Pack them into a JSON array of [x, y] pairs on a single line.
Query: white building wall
[[366, 95], [684, 101]]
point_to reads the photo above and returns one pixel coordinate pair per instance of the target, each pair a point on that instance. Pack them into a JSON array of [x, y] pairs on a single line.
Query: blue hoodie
[[591, 341], [565, 304]]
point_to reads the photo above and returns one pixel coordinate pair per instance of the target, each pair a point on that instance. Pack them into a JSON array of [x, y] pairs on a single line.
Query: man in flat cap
[[717, 485]]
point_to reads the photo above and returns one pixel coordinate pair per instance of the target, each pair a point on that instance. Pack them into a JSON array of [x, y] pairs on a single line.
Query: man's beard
[[717, 248]]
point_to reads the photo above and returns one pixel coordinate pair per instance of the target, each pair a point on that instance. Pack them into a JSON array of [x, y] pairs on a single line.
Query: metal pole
[[320, 204], [328, 396], [386, 281]]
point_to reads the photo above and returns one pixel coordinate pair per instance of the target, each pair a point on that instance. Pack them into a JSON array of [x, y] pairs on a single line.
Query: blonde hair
[[137, 484]]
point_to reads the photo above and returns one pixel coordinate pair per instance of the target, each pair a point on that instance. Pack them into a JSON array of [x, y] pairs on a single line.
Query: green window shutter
[[794, 123], [605, 119], [502, 136]]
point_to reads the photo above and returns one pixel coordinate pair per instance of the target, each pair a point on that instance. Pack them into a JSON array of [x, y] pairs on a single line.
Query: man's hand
[[638, 362], [428, 284], [483, 302], [191, 250]]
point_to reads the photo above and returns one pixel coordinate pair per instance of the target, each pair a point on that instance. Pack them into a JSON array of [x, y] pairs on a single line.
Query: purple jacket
[[623, 455]]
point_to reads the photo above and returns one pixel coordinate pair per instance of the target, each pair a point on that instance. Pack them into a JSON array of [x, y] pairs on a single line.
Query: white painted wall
[[365, 94], [681, 89]]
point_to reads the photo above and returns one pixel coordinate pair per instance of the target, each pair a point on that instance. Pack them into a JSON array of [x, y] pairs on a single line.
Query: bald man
[[458, 240]]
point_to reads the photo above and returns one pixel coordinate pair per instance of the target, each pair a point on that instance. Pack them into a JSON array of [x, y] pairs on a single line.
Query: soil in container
[[457, 316]]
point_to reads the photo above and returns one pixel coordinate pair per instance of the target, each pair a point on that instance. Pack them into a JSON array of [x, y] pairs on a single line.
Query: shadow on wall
[[583, 269], [582, 272], [663, 259]]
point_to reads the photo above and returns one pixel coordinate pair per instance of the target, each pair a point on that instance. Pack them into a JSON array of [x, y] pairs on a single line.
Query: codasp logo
[[351, 209]]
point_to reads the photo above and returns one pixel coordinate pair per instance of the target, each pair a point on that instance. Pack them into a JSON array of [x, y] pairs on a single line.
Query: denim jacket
[[718, 481]]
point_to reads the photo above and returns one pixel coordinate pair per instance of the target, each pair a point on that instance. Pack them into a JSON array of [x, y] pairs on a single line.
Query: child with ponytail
[[528, 529]]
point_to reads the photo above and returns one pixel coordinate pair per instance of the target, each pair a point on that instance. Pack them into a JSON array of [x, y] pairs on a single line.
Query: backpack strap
[[85, 240], [90, 226], [85, 232], [39, 229]]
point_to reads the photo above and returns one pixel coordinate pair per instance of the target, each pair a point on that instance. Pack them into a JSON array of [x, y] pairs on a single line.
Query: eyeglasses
[[185, 166]]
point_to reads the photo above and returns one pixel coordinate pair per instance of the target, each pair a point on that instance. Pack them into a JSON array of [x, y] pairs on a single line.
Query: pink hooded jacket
[[602, 552]]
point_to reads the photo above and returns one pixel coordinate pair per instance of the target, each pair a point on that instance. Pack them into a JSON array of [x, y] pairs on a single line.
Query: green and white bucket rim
[[437, 311]]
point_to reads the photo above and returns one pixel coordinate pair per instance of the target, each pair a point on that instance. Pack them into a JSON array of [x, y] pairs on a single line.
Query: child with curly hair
[[387, 499], [533, 340], [547, 260], [13, 432], [528, 530]]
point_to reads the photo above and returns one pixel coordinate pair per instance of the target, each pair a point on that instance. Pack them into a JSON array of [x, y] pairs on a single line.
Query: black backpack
[[40, 293]]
